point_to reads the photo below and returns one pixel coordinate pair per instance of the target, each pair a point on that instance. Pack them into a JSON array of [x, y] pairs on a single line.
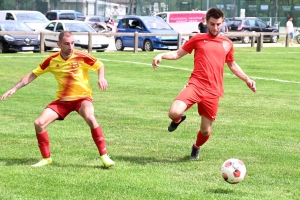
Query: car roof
[[241, 18], [68, 21], [20, 11]]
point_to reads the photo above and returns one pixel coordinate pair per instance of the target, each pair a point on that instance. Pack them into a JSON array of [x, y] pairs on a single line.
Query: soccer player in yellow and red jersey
[[205, 86], [70, 68]]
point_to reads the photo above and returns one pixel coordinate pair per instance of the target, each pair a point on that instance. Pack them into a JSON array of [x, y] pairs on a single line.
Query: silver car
[[99, 42]]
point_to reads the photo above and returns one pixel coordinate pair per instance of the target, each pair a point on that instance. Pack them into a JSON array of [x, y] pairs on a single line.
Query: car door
[[51, 39], [129, 26], [264, 27]]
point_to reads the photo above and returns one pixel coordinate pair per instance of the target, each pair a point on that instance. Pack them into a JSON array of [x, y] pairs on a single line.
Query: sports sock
[[44, 144], [177, 120], [201, 139], [99, 140]]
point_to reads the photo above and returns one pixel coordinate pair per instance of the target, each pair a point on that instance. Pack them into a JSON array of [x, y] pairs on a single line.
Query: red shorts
[[63, 108], [207, 103]]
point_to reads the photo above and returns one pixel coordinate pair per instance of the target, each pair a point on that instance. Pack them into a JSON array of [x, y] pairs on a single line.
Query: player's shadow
[[146, 160], [17, 161], [219, 191]]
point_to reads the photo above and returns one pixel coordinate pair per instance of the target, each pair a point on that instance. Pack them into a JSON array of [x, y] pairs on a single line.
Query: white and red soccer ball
[[233, 171]]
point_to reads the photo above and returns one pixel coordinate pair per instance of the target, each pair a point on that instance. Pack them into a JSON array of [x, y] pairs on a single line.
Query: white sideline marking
[[170, 67], [186, 69]]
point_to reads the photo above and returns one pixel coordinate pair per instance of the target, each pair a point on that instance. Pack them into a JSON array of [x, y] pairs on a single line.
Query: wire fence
[[274, 11]]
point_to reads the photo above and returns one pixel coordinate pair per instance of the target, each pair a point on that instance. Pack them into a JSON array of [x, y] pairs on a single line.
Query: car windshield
[[156, 23], [31, 17], [14, 27], [234, 22], [79, 27]]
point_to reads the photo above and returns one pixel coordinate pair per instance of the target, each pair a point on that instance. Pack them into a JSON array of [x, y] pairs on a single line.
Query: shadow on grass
[[17, 161], [146, 160], [219, 191]]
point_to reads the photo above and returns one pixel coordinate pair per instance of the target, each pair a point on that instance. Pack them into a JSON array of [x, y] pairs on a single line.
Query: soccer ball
[[233, 171]]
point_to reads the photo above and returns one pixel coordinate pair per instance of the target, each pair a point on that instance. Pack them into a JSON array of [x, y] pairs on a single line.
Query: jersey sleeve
[[189, 46], [230, 54], [89, 61]]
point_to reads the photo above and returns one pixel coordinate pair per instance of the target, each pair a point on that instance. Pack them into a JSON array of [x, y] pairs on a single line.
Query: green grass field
[[261, 128]]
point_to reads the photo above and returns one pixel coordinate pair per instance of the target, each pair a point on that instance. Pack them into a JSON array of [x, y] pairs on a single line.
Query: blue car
[[146, 24]]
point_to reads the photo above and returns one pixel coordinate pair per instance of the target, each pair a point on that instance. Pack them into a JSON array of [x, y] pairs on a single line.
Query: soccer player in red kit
[[205, 86], [70, 68]]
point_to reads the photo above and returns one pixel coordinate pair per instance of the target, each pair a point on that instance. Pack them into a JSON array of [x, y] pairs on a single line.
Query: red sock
[[177, 120], [99, 140], [201, 139], [44, 144]]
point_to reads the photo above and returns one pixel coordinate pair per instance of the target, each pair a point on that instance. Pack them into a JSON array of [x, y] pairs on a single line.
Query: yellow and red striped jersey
[[71, 74]]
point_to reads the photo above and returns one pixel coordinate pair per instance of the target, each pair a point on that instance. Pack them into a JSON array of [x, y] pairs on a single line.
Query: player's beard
[[213, 32]]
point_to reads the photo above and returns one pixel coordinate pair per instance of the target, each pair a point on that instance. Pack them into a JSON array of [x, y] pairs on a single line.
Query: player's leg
[[184, 100], [86, 110], [207, 109], [40, 124], [202, 137], [176, 114]]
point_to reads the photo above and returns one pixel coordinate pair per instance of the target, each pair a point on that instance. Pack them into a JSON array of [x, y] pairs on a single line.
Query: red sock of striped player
[[44, 144], [99, 140], [201, 139]]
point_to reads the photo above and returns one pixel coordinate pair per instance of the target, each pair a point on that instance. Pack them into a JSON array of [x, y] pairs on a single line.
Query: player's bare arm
[[101, 79], [24, 81], [237, 70], [171, 55]]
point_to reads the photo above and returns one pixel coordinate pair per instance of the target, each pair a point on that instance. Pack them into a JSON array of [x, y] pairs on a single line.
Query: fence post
[[287, 38], [260, 41], [136, 40], [179, 41], [42, 42], [90, 44], [253, 39]]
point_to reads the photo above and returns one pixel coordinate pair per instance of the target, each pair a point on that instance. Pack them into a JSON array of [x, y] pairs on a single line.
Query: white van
[[184, 22], [34, 19]]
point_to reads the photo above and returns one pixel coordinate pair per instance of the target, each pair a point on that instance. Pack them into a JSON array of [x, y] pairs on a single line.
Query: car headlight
[[9, 38]]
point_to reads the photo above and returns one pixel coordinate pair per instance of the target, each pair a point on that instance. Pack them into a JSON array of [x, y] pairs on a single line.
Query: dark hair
[[64, 33], [214, 13]]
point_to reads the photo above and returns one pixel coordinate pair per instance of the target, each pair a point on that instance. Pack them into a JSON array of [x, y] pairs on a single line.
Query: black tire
[[147, 46], [274, 38], [48, 48], [1, 48], [246, 39], [298, 39], [119, 44]]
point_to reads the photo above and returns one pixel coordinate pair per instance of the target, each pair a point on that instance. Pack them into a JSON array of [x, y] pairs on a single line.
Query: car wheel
[[48, 48], [147, 46], [274, 38], [119, 44], [1, 48], [298, 39]]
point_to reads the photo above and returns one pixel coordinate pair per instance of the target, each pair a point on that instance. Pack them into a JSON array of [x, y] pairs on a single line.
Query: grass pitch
[[262, 129]]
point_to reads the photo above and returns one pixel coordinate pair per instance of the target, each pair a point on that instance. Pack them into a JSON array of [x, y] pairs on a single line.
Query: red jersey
[[210, 55]]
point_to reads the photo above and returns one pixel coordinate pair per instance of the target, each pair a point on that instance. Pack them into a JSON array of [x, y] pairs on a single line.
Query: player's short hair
[[64, 33], [214, 13]]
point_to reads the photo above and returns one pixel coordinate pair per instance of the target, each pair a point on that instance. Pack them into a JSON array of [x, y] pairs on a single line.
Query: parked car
[[99, 23], [99, 42], [34, 19], [146, 24], [63, 14], [249, 24], [16, 42]]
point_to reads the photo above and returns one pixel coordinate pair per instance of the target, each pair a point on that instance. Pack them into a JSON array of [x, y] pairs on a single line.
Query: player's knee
[[39, 124], [206, 132]]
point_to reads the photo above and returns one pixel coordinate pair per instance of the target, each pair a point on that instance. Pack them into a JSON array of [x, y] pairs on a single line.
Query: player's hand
[[102, 84], [156, 61], [251, 84], [9, 93]]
